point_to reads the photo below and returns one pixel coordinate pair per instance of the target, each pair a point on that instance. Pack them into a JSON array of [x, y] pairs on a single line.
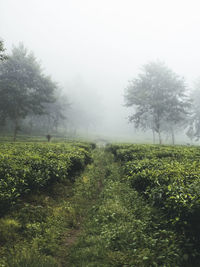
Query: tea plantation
[[71, 204], [29, 167]]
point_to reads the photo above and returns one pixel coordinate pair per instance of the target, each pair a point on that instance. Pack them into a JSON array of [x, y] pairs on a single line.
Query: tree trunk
[[16, 128], [160, 139], [49, 123], [173, 137], [31, 126], [154, 138]]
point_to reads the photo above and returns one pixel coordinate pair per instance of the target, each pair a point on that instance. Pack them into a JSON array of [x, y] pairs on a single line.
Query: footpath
[[112, 219]]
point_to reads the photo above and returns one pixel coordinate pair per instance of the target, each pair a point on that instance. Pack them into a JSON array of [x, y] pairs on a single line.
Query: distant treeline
[[31, 102]]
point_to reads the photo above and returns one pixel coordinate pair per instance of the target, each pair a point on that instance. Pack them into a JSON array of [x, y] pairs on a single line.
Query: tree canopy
[[194, 119], [24, 89], [2, 51], [158, 96]]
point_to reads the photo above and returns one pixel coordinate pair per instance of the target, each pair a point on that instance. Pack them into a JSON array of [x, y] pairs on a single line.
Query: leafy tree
[[24, 89], [194, 120], [2, 51], [54, 119], [56, 115], [158, 96]]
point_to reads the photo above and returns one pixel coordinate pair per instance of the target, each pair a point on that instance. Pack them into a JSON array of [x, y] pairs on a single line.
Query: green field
[[71, 204]]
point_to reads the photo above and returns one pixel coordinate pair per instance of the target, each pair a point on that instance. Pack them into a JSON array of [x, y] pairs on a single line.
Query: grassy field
[[71, 204]]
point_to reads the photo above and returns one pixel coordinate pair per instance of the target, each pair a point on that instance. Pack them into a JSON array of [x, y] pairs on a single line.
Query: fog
[[93, 48]]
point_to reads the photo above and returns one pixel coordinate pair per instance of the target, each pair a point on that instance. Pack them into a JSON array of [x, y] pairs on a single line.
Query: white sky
[[105, 41]]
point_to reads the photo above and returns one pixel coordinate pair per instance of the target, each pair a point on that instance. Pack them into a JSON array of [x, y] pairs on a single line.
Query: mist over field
[[99, 133], [92, 49]]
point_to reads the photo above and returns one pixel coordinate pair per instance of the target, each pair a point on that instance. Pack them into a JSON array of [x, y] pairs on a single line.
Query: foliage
[[121, 229], [32, 258], [53, 121], [24, 88], [168, 178], [34, 232], [140, 210], [25, 168], [2, 51], [158, 95], [193, 131]]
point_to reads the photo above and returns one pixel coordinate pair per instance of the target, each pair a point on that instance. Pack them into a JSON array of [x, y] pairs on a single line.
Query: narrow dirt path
[[86, 247], [72, 237], [87, 189]]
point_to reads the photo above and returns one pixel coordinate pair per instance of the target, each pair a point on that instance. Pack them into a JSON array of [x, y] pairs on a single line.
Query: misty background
[[93, 48]]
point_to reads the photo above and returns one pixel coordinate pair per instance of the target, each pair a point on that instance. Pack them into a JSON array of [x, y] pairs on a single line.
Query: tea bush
[[169, 179], [25, 168]]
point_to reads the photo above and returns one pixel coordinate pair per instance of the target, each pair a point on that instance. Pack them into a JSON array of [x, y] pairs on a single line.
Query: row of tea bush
[[169, 179], [31, 167]]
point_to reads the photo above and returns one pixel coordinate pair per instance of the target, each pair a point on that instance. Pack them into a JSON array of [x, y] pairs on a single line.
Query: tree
[[2, 51], [159, 98], [54, 119], [193, 131], [24, 89]]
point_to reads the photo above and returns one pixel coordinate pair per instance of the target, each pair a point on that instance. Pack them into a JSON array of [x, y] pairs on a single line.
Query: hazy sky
[[105, 41]]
